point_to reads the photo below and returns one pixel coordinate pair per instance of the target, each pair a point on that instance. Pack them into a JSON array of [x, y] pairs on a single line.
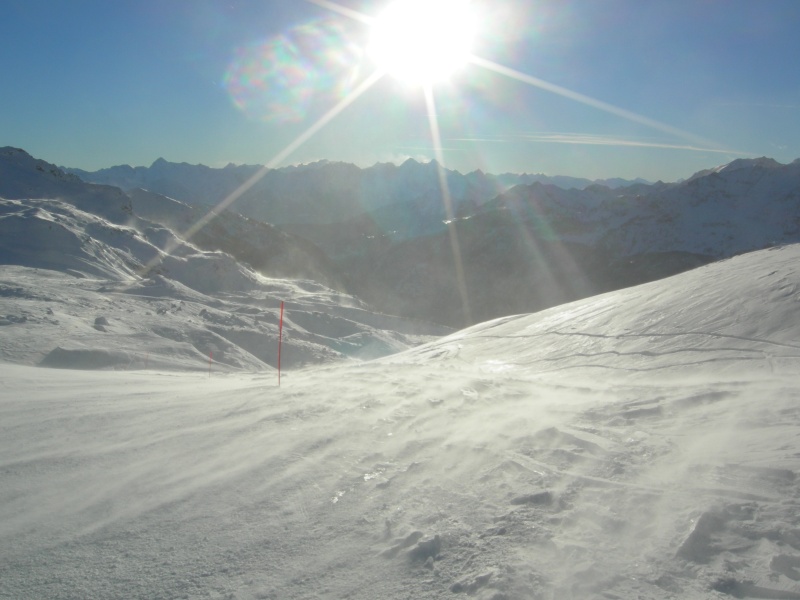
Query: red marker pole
[[280, 343]]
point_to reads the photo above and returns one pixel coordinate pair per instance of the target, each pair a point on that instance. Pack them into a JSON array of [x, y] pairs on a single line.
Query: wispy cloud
[[589, 101], [587, 139], [483, 139], [429, 149], [761, 105]]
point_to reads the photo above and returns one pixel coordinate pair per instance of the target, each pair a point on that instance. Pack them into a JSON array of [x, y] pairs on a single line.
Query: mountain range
[[320, 192], [384, 233], [537, 245], [638, 444]]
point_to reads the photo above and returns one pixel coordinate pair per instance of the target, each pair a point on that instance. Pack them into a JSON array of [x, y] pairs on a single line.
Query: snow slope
[[94, 278], [55, 319], [78, 291], [260, 246], [165, 222], [643, 444]]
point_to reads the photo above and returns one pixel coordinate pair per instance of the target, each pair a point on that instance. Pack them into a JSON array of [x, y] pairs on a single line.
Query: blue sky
[[691, 84]]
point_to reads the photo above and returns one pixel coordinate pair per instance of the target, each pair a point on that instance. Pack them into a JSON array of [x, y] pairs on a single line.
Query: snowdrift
[[640, 444]]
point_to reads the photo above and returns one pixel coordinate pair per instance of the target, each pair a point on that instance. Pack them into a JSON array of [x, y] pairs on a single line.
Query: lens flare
[[283, 78]]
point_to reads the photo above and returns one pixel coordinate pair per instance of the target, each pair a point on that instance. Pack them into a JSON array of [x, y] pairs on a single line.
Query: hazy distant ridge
[[537, 245], [384, 234], [324, 191]]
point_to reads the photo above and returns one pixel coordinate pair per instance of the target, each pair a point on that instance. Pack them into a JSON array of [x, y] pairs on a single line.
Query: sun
[[423, 41]]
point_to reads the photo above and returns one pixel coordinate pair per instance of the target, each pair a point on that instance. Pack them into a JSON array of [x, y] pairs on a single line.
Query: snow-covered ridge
[[749, 163], [742, 312], [737, 207]]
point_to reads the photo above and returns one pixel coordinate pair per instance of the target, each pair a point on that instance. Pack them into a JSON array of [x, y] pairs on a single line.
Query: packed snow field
[[640, 444]]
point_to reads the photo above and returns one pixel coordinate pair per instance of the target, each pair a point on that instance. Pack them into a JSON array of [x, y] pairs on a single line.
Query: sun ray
[[589, 101], [535, 235], [447, 200], [283, 154], [427, 79], [275, 161], [343, 10]]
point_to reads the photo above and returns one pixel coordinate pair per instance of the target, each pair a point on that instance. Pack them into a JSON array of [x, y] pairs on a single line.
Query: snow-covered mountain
[[261, 246], [747, 204], [325, 191], [385, 238], [91, 277], [539, 245], [734, 208], [639, 445], [739, 207], [270, 251]]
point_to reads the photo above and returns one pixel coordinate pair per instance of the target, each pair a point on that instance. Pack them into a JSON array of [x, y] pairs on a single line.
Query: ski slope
[[643, 444]]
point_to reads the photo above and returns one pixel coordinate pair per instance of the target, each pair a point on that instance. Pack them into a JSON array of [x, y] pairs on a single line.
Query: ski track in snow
[[641, 444]]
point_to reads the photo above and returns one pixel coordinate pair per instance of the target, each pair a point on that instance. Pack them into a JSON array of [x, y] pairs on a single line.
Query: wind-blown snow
[[640, 444]]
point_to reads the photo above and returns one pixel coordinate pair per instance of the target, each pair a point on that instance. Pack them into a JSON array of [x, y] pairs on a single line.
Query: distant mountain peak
[[11, 151], [23, 174], [738, 165], [749, 163]]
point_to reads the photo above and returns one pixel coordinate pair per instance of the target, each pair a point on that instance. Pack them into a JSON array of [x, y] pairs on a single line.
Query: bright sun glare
[[423, 41]]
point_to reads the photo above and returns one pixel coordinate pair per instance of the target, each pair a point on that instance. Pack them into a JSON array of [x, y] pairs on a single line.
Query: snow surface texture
[[640, 444]]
